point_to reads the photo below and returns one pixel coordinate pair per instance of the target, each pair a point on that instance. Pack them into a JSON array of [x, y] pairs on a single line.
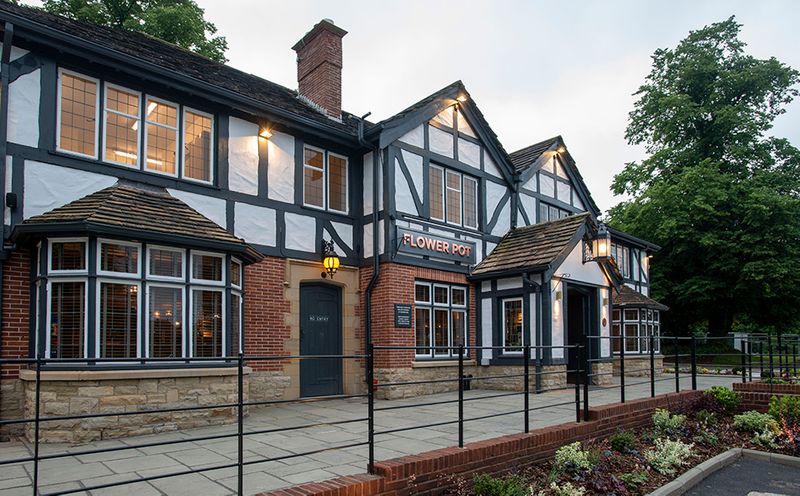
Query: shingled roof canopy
[[627, 297], [138, 212], [533, 248]]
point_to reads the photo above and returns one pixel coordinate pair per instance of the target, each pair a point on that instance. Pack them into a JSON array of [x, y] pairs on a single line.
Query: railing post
[[749, 358], [694, 363], [761, 358], [677, 366], [240, 436], [794, 359], [744, 363], [538, 368], [780, 355], [771, 363], [526, 387], [652, 368], [621, 367], [587, 356], [578, 385], [461, 396], [370, 373], [36, 415]]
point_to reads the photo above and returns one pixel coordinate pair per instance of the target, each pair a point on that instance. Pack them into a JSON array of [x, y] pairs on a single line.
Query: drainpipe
[[8, 34], [376, 266]]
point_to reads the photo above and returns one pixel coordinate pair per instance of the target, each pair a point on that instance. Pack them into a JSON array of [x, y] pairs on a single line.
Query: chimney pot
[[319, 66]]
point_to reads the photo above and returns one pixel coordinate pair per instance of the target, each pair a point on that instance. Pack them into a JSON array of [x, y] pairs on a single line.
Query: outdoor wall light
[[561, 149], [461, 98], [265, 133], [601, 244], [330, 260]]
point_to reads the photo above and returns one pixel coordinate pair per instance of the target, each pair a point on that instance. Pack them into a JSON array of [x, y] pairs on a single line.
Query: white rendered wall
[[605, 330], [469, 153], [212, 208], [528, 204], [441, 142], [243, 156], [15, 52], [255, 224], [503, 220], [403, 199], [301, 232], [490, 167], [344, 231], [280, 175], [509, 283], [487, 331], [415, 137], [23, 109], [50, 186], [414, 166], [589, 272], [557, 312], [532, 316]]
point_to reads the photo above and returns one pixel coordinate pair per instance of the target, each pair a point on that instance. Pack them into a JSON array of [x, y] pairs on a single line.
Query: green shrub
[[573, 458], [705, 437], [755, 422], [567, 489], [727, 399], [635, 479], [668, 455], [708, 419], [666, 423], [486, 485], [622, 441], [766, 438], [785, 408]]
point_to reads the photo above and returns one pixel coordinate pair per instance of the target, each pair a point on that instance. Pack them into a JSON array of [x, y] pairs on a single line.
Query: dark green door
[[320, 334]]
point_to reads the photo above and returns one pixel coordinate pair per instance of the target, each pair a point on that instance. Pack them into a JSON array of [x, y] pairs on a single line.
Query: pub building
[[162, 206]]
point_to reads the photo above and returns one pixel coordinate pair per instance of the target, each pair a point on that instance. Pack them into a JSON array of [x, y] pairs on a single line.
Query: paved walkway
[[79, 471]]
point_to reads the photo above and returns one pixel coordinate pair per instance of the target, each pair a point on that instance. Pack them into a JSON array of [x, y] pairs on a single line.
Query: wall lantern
[[265, 133], [561, 149], [461, 98], [601, 244], [330, 260]]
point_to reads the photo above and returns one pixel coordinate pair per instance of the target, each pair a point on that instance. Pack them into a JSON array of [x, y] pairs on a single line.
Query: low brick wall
[[422, 473], [67, 393], [760, 387]]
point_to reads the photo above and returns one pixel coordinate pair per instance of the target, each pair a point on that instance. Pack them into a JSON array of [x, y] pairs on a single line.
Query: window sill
[[426, 364], [111, 375]]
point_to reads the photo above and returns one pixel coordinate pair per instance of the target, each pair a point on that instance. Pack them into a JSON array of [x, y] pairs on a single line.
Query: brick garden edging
[[760, 387], [423, 472]]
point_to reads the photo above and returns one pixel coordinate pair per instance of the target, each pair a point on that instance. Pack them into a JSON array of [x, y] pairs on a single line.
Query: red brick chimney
[[319, 66]]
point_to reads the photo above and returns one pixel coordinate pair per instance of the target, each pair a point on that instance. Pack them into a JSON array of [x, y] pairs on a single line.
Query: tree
[[180, 22], [720, 196]]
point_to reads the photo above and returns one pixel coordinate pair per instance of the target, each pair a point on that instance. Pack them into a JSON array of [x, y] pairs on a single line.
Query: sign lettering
[[431, 245]]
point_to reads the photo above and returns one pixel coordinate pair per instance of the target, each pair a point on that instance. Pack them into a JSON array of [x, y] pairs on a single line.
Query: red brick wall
[[319, 71], [760, 387], [265, 307], [16, 309], [396, 285]]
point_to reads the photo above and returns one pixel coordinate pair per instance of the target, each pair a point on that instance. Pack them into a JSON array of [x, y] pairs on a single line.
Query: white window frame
[[324, 171], [206, 282], [154, 277], [184, 341], [505, 350], [241, 273], [444, 196], [61, 72], [49, 310], [51, 271], [431, 306], [123, 275], [138, 118], [240, 331], [328, 182], [460, 191], [182, 145], [190, 331], [125, 282], [178, 133]]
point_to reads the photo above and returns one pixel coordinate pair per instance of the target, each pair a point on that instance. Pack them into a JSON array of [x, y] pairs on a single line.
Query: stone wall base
[[603, 373], [639, 366], [12, 406]]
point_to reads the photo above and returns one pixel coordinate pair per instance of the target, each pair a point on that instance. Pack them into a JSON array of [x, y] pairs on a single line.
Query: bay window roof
[[627, 297], [139, 212]]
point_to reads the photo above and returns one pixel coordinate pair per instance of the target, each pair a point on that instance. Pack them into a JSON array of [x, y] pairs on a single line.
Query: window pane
[[544, 212], [554, 213], [78, 113], [312, 187], [470, 202], [162, 137], [337, 183], [615, 345], [68, 255], [422, 328], [453, 197], [422, 292], [441, 331], [436, 183], [631, 334], [118, 320], [207, 267], [615, 315], [440, 294], [236, 273], [166, 263], [67, 319], [236, 324], [459, 328], [122, 126], [512, 325], [119, 258], [197, 146], [314, 158], [631, 314], [166, 322], [207, 323], [459, 296]]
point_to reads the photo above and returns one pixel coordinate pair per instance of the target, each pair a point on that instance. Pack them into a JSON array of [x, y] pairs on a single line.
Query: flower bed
[[639, 461]]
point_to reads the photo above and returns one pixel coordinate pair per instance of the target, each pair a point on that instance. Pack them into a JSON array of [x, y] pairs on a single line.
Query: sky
[[536, 69]]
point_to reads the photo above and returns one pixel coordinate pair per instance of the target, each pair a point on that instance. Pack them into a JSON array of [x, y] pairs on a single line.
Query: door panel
[[320, 334]]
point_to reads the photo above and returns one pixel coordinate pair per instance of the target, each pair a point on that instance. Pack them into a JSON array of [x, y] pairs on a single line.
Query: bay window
[[139, 298], [440, 319], [633, 328]]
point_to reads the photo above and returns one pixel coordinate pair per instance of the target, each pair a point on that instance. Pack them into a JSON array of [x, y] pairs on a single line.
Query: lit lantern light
[[265, 133], [561, 149], [601, 244], [330, 260], [461, 98]]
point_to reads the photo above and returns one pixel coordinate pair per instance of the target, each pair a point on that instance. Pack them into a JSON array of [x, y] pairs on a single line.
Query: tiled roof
[[523, 158], [532, 247], [185, 62], [131, 207], [628, 297]]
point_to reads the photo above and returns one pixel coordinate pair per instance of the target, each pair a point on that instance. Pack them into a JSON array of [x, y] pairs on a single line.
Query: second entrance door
[[320, 334]]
